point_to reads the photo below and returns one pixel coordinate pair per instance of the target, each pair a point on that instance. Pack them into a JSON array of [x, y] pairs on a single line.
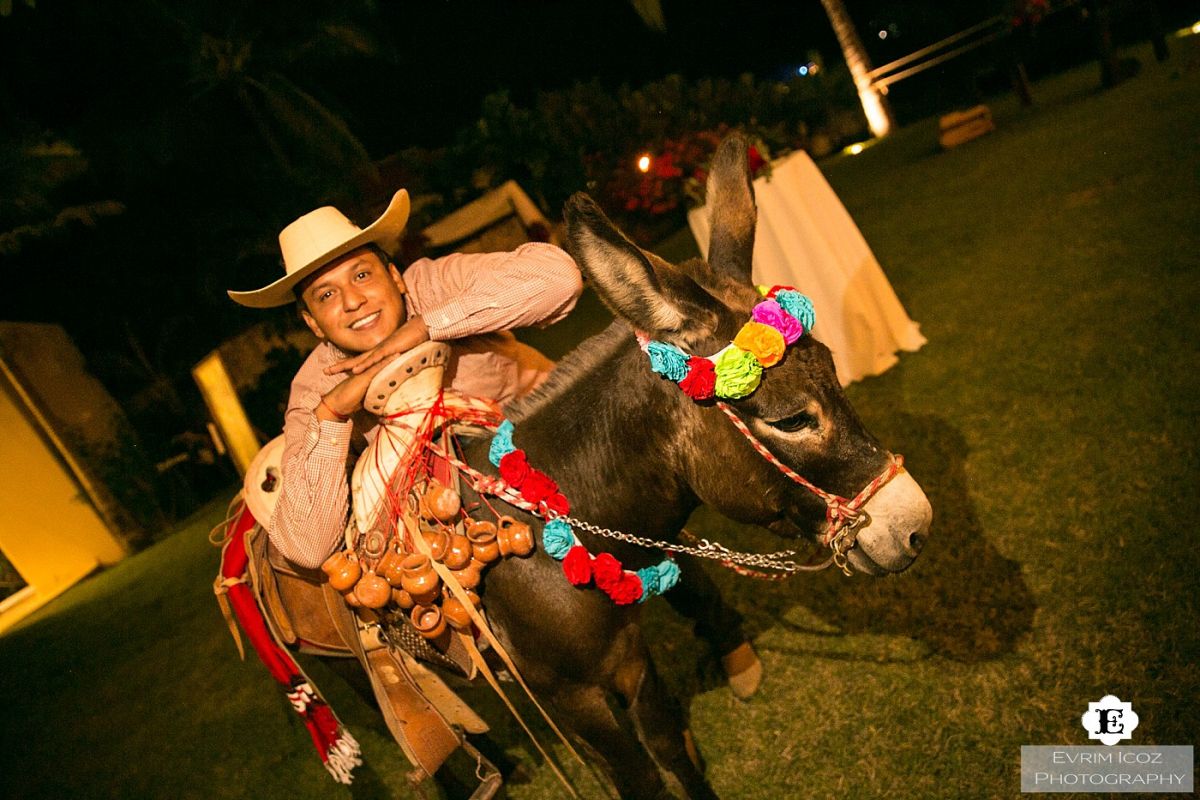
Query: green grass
[[1051, 418]]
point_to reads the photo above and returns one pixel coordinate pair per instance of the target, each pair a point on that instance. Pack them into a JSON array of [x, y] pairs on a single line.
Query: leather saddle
[[424, 715]]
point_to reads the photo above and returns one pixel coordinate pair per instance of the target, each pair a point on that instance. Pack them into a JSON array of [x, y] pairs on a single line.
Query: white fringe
[[343, 757]]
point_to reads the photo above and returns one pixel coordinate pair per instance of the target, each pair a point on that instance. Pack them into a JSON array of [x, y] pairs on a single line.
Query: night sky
[[142, 90]]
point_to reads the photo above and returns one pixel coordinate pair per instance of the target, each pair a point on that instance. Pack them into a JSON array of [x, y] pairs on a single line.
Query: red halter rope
[[843, 516]]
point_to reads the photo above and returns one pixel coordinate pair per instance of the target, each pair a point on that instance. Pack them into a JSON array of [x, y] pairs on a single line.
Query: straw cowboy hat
[[319, 237]]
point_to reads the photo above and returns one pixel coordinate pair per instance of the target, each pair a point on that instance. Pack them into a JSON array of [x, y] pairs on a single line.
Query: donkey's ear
[[730, 199], [641, 288]]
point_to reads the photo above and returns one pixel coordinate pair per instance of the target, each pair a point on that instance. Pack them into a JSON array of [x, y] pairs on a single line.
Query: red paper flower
[[577, 566], [700, 380], [774, 289], [514, 468], [537, 487], [606, 571], [628, 589], [558, 503]]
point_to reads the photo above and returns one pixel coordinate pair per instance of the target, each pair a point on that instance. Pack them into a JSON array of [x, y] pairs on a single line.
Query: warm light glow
[[1194, 29], [855, 149], [813, 68], [644, 163], [877, 118]]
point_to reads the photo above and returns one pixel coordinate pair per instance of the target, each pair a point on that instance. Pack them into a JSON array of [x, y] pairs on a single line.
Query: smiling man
[[366, 312]]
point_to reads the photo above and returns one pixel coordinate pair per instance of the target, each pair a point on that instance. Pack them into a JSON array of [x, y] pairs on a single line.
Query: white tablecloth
[[806, 239]]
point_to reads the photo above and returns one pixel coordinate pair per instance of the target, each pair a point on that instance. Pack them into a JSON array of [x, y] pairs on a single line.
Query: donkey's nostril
[[915, 542]]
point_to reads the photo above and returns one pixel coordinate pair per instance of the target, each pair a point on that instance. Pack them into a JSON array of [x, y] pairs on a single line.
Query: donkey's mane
[[581, 361]]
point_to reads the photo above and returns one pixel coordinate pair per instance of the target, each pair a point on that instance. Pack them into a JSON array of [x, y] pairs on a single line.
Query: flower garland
[[559, 540], [783, 316]]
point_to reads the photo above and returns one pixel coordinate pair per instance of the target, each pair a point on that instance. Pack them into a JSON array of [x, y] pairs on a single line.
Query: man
[[366, 312]]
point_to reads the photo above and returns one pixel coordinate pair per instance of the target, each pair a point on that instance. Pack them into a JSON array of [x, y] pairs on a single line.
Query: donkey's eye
[[796, 422]]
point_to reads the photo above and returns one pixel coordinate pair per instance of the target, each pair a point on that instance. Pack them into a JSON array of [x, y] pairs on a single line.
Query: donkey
[[633, 453]]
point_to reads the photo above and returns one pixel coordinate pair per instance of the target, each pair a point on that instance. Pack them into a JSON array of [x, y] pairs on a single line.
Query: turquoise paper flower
[[668, 360], [557, 539], [798, 305], [668, 575], [502, 443], [649, 578]]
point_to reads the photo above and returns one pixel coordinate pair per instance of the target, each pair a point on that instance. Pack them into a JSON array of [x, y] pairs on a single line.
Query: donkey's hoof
[[744, 671]]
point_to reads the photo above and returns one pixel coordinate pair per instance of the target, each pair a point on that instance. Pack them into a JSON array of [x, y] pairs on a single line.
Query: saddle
[[303, 612]]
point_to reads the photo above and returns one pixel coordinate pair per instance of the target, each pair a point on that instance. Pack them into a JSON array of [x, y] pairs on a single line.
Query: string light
[[643, 163]]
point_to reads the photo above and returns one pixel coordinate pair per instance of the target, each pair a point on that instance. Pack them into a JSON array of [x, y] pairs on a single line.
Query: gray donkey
[[633, 453]]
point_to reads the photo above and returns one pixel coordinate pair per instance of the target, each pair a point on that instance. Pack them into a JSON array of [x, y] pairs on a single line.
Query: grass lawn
[[1051, 418]]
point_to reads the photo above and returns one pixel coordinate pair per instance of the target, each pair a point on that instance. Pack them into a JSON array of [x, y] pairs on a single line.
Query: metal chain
[[779, 560]]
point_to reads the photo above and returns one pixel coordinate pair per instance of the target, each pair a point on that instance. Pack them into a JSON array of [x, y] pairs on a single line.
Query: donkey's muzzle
[[899, 527]]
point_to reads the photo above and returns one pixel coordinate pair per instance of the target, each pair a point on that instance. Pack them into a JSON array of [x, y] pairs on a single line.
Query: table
[[806, 238]]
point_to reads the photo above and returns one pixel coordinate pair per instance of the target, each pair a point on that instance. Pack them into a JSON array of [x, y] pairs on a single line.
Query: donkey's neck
[[609, 431]]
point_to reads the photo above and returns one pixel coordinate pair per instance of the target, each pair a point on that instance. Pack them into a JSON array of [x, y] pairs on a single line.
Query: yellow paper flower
[[766, 343]]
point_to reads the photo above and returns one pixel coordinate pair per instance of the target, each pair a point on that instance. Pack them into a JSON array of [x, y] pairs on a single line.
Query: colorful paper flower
[[537, 486], [667, 360], [763, 341], [626, 590], [502, 443], [514, 468], [798, 305], [701, 379], [606, 571], [649, 578], [577, 566], [738, 373], [668, 575], [769, 312], [557, 539], [557, 503]]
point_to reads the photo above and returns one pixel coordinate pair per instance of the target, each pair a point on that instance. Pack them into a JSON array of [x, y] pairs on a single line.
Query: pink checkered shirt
[[470, 299]]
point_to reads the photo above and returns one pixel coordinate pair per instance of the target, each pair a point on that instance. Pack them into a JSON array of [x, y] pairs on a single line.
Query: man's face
[[355, 302]]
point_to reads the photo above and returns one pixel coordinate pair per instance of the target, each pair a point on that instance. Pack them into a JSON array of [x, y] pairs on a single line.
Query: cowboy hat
[[319, 237]]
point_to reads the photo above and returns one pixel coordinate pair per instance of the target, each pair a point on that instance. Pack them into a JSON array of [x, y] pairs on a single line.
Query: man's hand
[[343, 400], [406, 337]]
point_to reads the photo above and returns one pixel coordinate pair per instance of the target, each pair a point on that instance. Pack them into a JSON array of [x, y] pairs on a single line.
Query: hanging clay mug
[[390, 566], [440, 503], [428, 620], [438, 542], [372, 590], [455, 613], [352, 599], [402, 599], [419, 579], [469, 576], [458, 552], [514, 536], [343, 570], [482, 536]]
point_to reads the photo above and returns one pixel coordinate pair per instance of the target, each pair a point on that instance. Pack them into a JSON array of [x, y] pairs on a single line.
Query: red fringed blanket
[[336, 747]]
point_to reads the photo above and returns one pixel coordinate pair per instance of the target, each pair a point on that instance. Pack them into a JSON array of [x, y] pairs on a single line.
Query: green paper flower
[[738, 373]]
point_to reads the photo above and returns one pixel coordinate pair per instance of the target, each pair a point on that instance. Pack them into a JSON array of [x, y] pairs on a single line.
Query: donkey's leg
[[660, 724], [697, 598], [586, 711]]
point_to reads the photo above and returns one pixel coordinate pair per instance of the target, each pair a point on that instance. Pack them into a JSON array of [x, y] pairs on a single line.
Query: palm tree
[[875, 105]]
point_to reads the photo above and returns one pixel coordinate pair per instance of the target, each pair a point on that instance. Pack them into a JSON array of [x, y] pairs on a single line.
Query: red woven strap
[[839, 512]]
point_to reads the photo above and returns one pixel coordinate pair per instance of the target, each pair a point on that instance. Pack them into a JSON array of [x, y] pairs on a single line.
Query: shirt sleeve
[[466, 294], [314, 500]]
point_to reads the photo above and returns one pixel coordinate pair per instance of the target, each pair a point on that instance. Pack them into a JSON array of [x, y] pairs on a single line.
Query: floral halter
[[783, 316]]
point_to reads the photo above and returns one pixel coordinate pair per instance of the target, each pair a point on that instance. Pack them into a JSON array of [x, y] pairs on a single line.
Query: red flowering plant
[[670, 176]]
